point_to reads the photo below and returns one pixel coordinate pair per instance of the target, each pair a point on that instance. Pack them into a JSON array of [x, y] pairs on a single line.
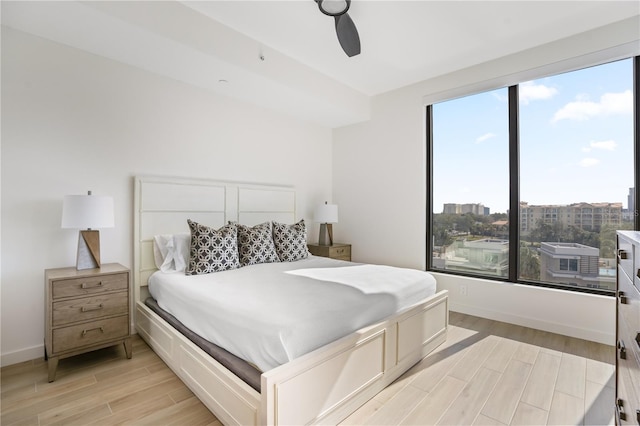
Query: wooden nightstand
[[84, 311], [336, 251]]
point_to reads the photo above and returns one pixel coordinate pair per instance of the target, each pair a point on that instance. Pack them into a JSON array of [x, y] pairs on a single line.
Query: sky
[[576, 141]]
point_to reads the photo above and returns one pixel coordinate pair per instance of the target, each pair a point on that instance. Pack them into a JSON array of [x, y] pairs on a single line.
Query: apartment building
[[475, 208], [587, 216]]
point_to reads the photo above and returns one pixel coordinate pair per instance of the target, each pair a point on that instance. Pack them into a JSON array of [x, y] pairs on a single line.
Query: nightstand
[[336, 251], [85, 310]]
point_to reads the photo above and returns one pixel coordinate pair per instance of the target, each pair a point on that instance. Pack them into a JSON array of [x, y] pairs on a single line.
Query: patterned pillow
[[290, 241], [212, 250], [255, 244]]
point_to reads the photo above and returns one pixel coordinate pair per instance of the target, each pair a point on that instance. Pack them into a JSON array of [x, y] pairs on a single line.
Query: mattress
[[269, 314], [241, 368]]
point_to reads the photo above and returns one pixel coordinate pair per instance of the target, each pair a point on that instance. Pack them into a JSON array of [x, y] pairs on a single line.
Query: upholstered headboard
[[162, 205]]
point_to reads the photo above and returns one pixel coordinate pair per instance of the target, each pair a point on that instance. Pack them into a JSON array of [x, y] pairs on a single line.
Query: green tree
[[607, 241], [529, 262], [545, 232]]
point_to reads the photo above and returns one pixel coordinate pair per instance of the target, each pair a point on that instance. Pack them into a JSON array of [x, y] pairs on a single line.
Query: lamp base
[[326, 234], [88, 250]]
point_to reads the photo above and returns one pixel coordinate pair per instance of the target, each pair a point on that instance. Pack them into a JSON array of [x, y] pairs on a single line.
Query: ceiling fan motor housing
[[333, 7]]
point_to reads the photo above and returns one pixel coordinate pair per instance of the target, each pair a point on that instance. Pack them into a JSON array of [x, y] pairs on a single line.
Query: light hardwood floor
[[488, 373]]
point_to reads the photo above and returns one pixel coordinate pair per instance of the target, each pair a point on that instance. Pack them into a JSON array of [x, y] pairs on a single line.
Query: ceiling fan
[[345, 28]]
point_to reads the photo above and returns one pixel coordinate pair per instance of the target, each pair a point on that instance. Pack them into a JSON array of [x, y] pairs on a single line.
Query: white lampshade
[[87, 211], [326, 213]]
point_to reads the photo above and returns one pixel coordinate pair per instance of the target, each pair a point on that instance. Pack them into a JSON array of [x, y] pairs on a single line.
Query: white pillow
[[160, 248], [182, 248], [171, 251]]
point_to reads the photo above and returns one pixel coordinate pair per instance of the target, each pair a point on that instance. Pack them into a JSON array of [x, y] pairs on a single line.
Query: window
[[472, 166], [544, 168], [569, 265]]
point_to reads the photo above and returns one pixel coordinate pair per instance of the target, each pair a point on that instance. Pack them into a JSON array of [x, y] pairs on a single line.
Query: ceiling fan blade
[[347, 35]]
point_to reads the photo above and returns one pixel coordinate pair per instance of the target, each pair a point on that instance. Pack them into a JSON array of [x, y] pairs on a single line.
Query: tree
[[545, 232], [607, 241], [529, 263]]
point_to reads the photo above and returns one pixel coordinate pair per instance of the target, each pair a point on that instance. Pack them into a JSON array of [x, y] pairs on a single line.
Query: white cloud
[[582, 108], [530, 91], [589, 162], [609, 145], [484, 137], [499, 96]]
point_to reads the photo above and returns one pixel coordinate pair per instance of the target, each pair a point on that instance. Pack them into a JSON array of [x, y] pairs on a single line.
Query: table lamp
[[326, 214], [87, 211]]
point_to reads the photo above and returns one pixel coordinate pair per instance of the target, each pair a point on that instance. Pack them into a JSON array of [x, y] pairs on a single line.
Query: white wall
[[379, 183], [73, 121]]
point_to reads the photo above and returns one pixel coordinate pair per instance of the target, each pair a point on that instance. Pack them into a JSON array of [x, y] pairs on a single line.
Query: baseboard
[[28, 354], [536, 323]]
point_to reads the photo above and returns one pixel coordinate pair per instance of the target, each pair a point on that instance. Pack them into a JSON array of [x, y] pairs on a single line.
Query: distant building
[[629, 214], [572, 263], [486, 256], [451, 208], [587, 216], [477, 209]]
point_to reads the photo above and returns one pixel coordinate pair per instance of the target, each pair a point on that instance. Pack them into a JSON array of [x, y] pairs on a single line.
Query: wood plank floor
[[487, 373]]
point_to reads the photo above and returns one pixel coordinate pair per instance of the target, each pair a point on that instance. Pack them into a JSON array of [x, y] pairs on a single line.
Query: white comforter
[[269, 314]]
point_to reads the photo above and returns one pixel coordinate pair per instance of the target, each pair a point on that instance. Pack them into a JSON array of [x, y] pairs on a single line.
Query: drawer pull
[[620, 409], [623, 349], [84, 332], [96, 285], [91, 308], [622, 254], [623, 298]]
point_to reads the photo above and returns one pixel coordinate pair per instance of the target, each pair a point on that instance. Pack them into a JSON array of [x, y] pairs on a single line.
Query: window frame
[[569, 263], [514, 215]]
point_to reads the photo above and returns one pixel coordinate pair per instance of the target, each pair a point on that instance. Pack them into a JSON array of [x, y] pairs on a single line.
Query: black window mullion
[[429, 186], [636, 140], [514, 185]]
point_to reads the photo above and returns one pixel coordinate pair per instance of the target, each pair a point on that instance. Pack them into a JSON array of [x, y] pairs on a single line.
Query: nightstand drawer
[[88, 308], [340, 252], [89, 285], [336, 251], [90, 333]]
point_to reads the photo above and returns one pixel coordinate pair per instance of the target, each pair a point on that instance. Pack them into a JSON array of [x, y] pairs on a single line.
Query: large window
[[529, 183], [470, 198]]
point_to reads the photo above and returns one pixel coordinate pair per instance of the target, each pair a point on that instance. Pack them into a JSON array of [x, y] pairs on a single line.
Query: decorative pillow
[[212, 250], [171, 251], [255, 244], [290, 241]]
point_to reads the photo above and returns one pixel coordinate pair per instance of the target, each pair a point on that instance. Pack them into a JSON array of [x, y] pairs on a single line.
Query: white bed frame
[[323, 386]]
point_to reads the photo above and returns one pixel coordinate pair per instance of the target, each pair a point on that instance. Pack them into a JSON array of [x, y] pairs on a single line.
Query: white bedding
[[269, 314]]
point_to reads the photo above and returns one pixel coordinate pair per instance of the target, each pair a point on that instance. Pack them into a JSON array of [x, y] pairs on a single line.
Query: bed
[[324, 385]]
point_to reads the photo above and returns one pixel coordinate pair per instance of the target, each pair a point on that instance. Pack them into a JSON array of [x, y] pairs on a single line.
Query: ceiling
[[284, 55]]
